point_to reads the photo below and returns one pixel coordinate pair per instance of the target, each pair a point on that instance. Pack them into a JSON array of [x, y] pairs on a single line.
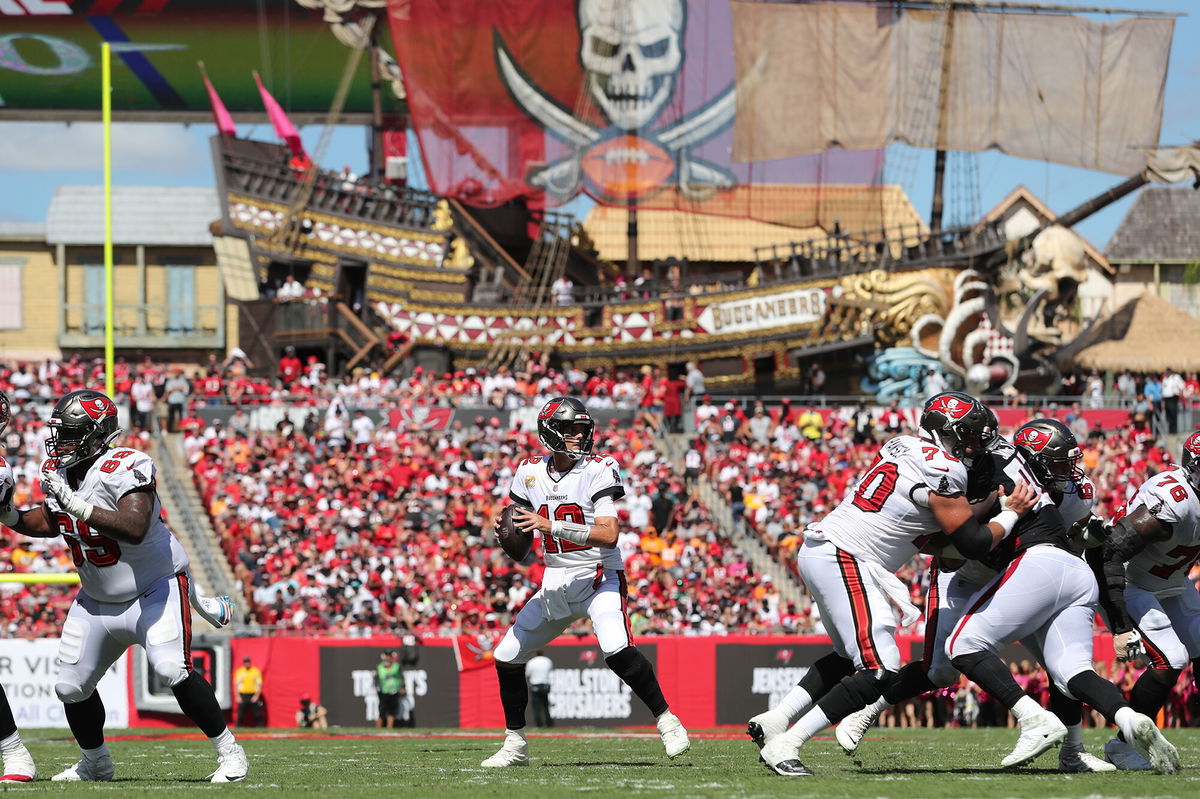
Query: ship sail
[[1052, 87]]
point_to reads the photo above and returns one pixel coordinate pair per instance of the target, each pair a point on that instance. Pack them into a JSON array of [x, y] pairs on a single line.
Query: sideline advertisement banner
[[28, 671], [348, 685], [584, 691], [752, 678]]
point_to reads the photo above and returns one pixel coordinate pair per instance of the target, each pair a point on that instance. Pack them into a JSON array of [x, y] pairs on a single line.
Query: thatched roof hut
[[1146, 334]]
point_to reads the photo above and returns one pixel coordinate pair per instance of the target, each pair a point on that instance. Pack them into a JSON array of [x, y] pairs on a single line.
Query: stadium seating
[[394, 533]]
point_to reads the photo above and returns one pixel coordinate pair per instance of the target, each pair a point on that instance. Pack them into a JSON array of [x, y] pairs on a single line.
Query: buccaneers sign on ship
[[624, 99]]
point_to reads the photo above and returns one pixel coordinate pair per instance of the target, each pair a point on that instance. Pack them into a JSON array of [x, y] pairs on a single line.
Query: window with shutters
[[11, 316]]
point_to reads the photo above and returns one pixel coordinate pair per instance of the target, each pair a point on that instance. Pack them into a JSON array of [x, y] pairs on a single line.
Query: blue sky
[[37, 157]]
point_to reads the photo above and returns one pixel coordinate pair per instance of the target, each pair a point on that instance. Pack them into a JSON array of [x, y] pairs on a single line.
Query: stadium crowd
[[347, 527], [781, 467], [392, 530]]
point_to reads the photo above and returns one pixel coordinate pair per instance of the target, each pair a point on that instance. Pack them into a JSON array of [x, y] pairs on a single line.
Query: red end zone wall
[[709, 681]]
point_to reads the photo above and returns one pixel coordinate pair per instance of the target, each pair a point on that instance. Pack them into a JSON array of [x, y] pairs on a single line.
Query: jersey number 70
[[876, 486]]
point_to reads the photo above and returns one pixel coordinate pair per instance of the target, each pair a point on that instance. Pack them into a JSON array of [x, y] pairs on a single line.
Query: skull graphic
[[631, 51]]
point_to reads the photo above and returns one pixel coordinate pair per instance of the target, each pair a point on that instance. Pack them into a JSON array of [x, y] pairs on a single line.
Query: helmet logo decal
[[98, 407], [550, 408], [1192, 444], [1032, 438], [952, 407]]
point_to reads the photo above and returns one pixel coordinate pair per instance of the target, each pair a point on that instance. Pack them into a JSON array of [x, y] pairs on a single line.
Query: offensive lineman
[[135, 587], [915, 490], [1052, 454], [1158, 610], [568, 496], [1045, 593], [18, 763]]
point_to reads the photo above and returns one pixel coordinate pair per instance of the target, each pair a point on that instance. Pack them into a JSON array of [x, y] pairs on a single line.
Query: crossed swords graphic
[[696, 178]]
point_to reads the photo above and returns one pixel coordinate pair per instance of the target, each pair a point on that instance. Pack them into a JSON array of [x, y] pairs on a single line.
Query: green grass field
[[445, 764]]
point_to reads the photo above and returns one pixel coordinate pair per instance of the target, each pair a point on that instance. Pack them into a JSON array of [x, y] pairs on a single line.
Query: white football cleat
[[1074, 759], [1149, 742], [232, 765], [783, 759], [850, 731], [218, 611], [765, 726], [1039, 733], [99, 770], [674, 736], [514, 752], [18, 766], [1124, 756]]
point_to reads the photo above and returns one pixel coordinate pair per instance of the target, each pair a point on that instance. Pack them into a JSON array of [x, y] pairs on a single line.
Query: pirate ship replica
[[516, 116]]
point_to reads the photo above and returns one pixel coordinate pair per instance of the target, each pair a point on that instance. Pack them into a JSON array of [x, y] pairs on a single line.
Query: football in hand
[[516, 543]]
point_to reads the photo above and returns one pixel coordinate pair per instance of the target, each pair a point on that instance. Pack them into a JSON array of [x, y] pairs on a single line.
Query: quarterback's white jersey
[[887, 514], [573, 496], [1162, 566], [110, 570]]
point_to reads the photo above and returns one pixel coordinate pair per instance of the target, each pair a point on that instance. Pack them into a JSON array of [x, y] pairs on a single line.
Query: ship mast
[[939, 157], [949, 7]]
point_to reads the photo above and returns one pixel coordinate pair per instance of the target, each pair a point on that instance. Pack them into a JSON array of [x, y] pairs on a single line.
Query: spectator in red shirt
[[213, 388], [289, 367], [672, 391]]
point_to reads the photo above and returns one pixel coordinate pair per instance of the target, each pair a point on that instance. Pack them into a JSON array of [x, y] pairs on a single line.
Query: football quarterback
[[568, 496]]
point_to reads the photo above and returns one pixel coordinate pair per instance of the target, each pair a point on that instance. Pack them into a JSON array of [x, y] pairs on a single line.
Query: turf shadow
[[622, 763], [968, 771]]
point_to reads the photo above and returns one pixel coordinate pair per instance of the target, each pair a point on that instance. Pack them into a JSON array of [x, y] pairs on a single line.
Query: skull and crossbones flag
[[625, 100]]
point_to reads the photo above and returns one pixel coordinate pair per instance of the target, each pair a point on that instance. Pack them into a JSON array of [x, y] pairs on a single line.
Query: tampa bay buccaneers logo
[[98, 407], [950, 407], [1192, 445], [784, 656], [631, 52], [549, 409], [1032, 438]]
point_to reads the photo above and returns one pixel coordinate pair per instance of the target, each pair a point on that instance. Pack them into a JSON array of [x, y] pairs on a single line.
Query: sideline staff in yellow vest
[[248, 680]]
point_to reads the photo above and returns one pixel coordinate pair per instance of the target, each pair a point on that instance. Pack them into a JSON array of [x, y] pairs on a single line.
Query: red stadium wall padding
[[709, 681]]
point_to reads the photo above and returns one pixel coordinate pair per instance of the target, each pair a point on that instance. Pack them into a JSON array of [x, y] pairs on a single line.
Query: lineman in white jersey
[[568, 497], [915, 490], [1151, 605], [134, 581], [18, 763], [1048, 449]]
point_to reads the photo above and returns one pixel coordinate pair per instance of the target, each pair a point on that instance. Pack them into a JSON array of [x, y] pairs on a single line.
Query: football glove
[[1128, 645], [54, 486], [1093, 533]]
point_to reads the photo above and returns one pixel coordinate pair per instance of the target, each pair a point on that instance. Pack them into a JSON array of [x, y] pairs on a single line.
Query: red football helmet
[[1052, 451], [554, 421], [82, 425], [959, 424], [1191, 459]]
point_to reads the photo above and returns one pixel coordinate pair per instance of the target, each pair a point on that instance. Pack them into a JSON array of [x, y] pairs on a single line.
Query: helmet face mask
[[1052, 452], [959, 424], [5, 412], [82, 425], [566, 428]]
